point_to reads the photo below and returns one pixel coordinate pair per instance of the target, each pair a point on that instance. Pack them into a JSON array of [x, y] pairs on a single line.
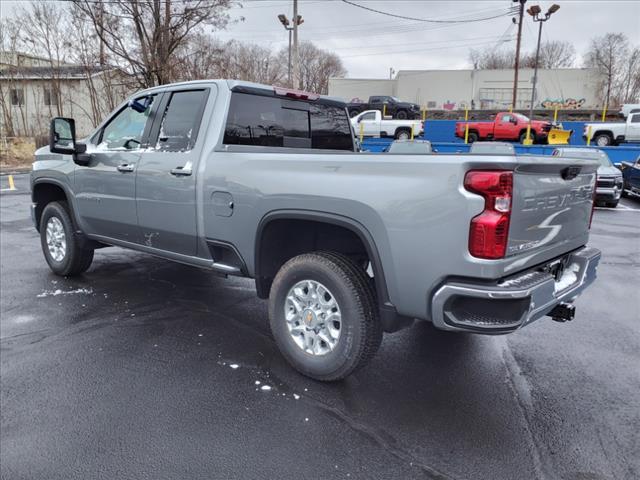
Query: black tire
[[472, 137], [402, 115], [523, 136], [613, 204], [75, 260], [402, 134], [360, 328], [353, 112], [624, 192], [603, 140]]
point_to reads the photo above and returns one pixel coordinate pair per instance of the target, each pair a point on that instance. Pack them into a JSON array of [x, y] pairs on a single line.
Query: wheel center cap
[[309, 318]]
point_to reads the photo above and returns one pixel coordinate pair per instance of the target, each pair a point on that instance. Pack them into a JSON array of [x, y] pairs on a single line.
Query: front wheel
[[59, 244], [402, 115], [323, 315], [613, 204], [523, 137]]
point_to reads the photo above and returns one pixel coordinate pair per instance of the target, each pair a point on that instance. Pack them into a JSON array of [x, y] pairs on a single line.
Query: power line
[[424, 19]]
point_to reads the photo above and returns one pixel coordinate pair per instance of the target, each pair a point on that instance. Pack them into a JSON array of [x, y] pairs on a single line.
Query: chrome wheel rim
[[313, 317], [602, 141], [56, 239]]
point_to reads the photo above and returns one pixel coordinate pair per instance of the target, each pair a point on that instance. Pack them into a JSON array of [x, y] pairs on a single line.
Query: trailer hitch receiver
[[563, 312]]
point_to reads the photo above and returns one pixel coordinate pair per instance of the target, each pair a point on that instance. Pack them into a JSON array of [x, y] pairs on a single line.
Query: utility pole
[[296, 59], [517, 65]]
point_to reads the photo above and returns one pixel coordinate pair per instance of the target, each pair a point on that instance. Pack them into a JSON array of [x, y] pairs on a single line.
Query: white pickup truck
[[371, 124], [605, 134]]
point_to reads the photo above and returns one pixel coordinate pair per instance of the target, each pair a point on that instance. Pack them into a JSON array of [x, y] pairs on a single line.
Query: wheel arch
[[47, 190], [316, 217]]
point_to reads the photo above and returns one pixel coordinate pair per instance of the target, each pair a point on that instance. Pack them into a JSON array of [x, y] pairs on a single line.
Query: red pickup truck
[[506, 126]]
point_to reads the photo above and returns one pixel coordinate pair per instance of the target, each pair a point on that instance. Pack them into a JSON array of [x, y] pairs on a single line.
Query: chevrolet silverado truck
[[609, 183], [613, 133], [390, 105], [506, 126], [262, 182], [371, 124]]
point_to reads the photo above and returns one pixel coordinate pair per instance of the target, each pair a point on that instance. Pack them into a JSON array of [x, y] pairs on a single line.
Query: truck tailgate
[[552, 202]]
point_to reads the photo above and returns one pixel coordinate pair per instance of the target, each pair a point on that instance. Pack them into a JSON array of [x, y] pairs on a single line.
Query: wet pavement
[[146, 369]]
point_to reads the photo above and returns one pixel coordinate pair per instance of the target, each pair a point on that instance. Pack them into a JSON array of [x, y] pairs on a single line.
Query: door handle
[[126, 167], [180, 172]]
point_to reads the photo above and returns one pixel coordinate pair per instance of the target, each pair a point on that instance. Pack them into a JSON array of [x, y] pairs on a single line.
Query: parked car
[[262, 182], [506, 126], [609, 184], [631, 177], [496, 148], [373, 125], [418, 147], [628, 108], [390, 105], [613, 133]]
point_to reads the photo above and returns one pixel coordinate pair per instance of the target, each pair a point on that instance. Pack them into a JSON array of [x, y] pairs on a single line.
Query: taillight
[[489, 231]]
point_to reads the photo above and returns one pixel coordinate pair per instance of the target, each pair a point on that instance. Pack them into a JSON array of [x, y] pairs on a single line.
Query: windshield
[[394, 99]]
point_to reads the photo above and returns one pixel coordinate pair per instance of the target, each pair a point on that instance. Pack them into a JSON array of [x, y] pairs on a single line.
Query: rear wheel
[[403, 134], [323, 315], [603, 140], [472, 137], [60, 246]]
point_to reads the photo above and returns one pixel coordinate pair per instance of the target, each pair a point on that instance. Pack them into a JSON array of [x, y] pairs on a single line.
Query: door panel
[[503, 127], [166, 178], [633, 128], [105, 188]]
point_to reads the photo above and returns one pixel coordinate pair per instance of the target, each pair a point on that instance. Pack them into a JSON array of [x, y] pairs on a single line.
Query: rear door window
[[275, 122], [181, 121]]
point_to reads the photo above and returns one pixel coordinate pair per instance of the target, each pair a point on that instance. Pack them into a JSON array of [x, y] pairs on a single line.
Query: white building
[[34, 89], [567, 88]]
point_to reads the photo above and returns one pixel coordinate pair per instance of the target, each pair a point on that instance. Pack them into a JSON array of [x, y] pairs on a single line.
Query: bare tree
[[553, 54], [608, 54], [142, 36], [316, 67]]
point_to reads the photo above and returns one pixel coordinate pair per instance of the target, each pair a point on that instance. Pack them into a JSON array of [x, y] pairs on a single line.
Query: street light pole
[[534, 11], [297, 20]]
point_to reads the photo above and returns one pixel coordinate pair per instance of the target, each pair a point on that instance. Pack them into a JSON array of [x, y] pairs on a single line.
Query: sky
[[370, 43]]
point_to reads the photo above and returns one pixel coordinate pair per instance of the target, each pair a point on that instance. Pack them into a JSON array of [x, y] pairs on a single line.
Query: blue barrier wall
[[624, 153], [443, 131]]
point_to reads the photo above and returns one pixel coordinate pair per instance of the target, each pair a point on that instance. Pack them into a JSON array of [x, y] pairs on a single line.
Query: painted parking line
[[12, 185], [619, 209]]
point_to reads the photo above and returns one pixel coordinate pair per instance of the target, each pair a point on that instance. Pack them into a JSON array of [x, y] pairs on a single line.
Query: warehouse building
[[566, 88]]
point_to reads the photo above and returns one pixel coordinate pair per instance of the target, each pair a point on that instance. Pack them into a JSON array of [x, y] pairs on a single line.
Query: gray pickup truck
[[246, 179]]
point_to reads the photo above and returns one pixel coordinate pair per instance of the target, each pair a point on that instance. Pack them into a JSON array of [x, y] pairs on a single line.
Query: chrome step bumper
[[515, 301]]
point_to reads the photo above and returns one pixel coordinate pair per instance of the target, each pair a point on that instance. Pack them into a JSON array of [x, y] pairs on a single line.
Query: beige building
[[567, 88], [34, 89]]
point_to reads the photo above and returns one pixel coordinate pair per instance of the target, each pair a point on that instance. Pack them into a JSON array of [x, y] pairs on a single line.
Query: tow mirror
[[62, 135], [62, 139]]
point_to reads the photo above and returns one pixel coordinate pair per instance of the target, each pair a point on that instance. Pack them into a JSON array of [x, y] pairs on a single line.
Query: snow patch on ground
[[265, 388], [55, 293], [234, 365]]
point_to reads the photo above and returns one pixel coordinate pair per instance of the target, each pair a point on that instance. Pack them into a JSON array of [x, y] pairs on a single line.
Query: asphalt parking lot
[[145, 369]]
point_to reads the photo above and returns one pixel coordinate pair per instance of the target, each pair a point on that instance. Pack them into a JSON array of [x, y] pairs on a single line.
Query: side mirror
[[62, 136], [139, 107]]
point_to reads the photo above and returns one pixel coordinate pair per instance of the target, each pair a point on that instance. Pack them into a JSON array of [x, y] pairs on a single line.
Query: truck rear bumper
[[517, 300]]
